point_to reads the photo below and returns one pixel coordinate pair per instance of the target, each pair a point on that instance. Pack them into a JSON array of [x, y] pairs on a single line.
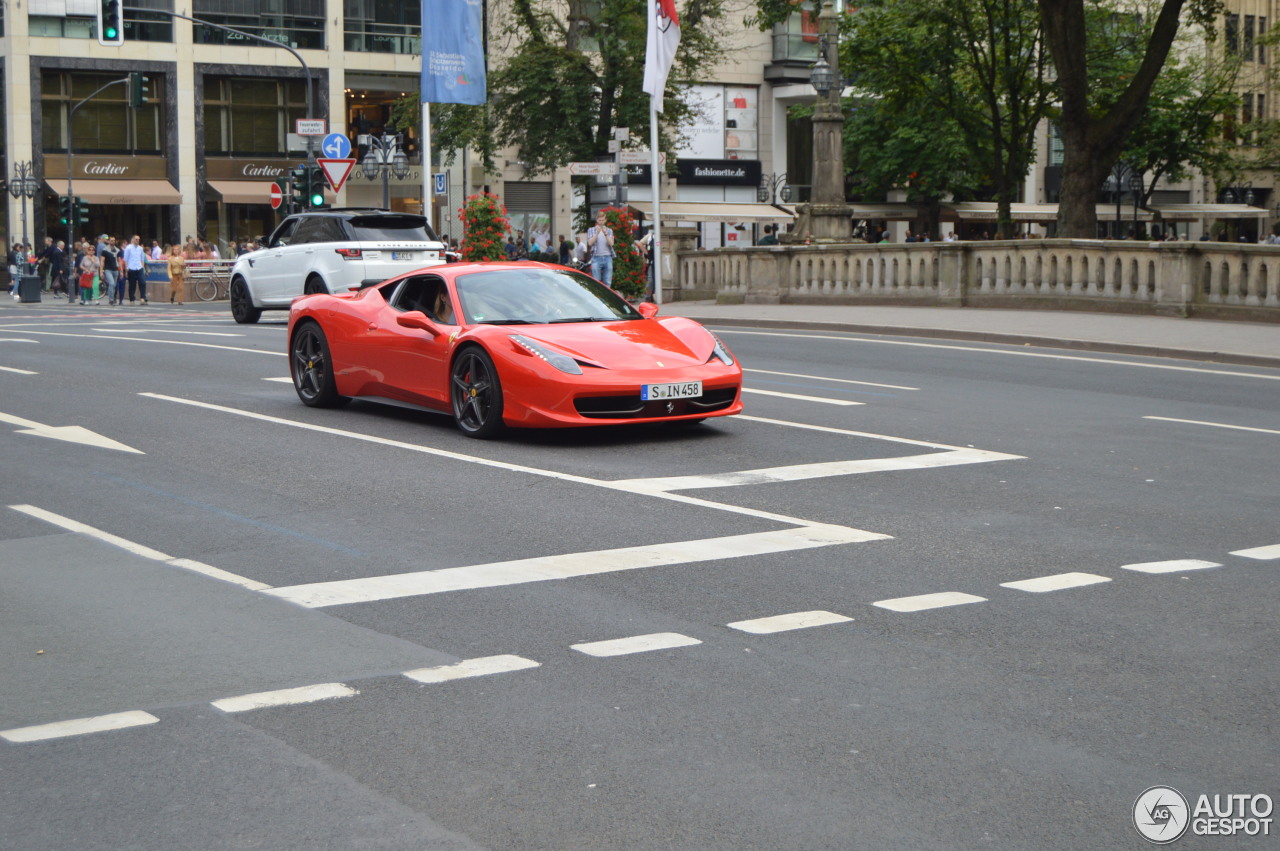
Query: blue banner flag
[[453, 52]]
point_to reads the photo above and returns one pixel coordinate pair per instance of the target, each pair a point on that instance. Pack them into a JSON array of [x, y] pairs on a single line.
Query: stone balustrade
[[1207, 279]]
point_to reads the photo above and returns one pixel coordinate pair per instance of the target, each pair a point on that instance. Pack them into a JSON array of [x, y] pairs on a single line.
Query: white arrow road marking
[[71, 434]]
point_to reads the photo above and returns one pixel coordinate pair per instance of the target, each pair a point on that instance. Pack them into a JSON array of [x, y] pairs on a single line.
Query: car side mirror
[[647, 309], [417, 319]]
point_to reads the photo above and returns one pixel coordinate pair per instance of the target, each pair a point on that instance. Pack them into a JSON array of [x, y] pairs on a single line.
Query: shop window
[[78, 19], [383, 26], [295, 23], [105, 124], [249, 116]]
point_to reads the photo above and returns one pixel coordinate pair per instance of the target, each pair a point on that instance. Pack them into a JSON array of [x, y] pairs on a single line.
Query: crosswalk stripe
[[79, 726], [922, 602], [1057, 582], [480, 667], [785, 623], [636, 644]]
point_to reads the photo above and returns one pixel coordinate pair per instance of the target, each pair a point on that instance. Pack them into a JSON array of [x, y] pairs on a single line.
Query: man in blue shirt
[[135, 264]]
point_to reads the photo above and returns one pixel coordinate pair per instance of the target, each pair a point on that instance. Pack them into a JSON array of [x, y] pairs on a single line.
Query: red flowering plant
[[628, 260], [484, 227]]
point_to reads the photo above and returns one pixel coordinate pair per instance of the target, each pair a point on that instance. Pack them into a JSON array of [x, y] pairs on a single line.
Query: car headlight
[[720, 352], [564, 363]]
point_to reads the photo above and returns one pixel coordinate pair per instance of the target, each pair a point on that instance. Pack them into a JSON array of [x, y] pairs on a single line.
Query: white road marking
[[284, 697], [481, 667], [820, 470], [928, 601], [785, 623], [1170, 566], [161, 342], [636, 644], [1215, 425], [825, 378], [500, 465], [345, 591], [1261, 553], [72, 434], [16, 339], [138, 549], [851, 433], [164, 331], [1057, 582], [79, 726], [18, 371], [987, 351], [283, 380], [798, 397]]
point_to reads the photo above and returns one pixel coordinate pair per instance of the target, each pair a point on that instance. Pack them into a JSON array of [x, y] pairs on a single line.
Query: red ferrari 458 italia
[[509, 344]]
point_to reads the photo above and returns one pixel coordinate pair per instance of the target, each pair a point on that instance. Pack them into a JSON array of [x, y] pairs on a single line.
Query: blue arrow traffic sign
[[336, 146]]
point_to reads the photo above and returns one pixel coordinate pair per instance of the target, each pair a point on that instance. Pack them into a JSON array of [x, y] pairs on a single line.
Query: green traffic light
[[317, 199], [111, 33]]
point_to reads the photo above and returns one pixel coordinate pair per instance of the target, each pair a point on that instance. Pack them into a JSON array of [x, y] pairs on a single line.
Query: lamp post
[[773, 188], [827, 218], [386, 157], [23, 186]]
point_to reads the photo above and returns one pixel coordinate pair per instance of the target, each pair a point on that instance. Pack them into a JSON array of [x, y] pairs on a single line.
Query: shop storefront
[[238, 197], [125, 196]]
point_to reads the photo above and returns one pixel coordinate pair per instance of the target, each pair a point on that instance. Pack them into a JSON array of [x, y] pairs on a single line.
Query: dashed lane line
[[481, 667], [635, 644], [1260, 553], [1175, 566], [284, 697], [786, 623], [825, 378], [78, 726], [923, 602], [1057, 582], [800, 398], [18, 371], [1214, 425]]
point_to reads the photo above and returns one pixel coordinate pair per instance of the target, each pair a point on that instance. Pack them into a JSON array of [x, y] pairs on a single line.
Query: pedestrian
[[157, 253], [600, 243], [177, 273], [580, 251], [110, 271], [770, 235], [135, 266], [566, 251], [510, 248], [88, 268]]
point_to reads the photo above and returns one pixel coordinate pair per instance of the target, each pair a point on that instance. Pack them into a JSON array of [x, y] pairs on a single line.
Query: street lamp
[[23, 185], [773, 188], [827, 217], [386, 157]]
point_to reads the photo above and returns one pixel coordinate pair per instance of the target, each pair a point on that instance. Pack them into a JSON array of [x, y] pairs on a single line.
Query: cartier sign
[[100, 166], [224, 168]]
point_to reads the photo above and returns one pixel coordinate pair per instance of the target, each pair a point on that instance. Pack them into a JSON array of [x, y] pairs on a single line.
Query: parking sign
[[441, 181]]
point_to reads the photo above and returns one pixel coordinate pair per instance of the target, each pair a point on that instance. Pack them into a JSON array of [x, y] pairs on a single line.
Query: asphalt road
[[576, 639]]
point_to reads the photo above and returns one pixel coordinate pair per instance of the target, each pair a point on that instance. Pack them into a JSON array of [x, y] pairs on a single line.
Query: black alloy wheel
[[312, 368], [476, 394], [314, 285], [242, 309]]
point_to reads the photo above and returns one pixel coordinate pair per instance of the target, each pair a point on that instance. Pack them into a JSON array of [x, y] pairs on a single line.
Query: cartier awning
[[243, 191], [120, 191], [715, 211]]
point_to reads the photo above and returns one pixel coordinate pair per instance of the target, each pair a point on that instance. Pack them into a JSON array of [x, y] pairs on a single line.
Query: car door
[[268, 265], [413, 363]]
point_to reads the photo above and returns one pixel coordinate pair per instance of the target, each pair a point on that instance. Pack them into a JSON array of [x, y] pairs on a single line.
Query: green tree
[[1097, 122]]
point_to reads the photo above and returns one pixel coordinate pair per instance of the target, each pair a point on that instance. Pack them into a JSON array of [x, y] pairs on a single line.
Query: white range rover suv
[[329, 251]]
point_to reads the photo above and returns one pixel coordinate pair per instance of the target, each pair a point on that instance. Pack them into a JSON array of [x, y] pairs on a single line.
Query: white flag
[[664, 38]]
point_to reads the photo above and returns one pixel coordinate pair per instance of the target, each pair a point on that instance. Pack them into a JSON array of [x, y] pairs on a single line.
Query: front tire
[[476, 394], [242, 309], [314, 285], [311, 366]]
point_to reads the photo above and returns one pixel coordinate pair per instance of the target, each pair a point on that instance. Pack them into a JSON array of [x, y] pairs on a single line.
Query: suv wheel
[[242, 309], [314, 285]]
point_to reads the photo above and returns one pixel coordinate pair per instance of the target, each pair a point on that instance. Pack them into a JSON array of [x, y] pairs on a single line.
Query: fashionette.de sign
[[719, 172]]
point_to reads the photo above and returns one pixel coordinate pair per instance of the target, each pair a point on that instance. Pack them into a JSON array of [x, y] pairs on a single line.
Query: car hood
[[636, 344]]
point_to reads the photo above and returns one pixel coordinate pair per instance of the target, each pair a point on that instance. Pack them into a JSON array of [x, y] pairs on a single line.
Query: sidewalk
[[1242, 343]]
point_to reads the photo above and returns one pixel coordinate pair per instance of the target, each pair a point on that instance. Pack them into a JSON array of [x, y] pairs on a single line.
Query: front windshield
[[531, 295]]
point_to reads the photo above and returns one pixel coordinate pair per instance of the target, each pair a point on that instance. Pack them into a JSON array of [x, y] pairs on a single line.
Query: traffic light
[[81, 211], [64, 210], [298, 189], [110, 23], [139, 89], [315, 188]]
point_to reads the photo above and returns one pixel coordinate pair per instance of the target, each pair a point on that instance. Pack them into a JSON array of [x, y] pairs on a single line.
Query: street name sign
[[593, 168]]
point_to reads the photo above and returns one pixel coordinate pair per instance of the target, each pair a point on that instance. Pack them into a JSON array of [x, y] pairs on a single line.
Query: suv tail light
[[349, 253]]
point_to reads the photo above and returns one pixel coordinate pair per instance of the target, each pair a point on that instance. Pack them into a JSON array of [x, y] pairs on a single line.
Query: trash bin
[[29, 289]]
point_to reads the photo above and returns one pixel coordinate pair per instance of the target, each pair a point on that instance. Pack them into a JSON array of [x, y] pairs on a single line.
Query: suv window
[[319, 229], [284, 233], [405, 228]]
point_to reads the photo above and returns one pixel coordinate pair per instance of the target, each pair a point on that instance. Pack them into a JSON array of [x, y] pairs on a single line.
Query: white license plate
[[684, 390], [404, 255]]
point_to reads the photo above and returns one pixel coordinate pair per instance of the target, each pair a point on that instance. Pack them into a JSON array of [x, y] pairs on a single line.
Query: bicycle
[[212, 282]]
